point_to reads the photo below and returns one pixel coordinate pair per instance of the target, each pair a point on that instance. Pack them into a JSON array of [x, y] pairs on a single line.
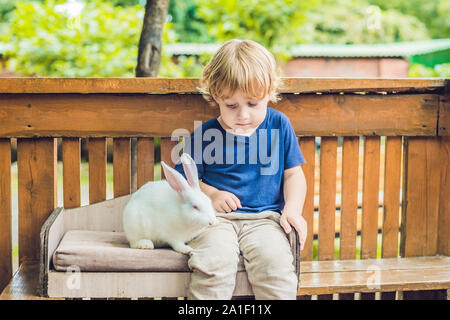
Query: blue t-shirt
[[251, 167]]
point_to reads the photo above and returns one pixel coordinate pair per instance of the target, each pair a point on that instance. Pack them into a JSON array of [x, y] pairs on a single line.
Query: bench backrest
[[377, 153]]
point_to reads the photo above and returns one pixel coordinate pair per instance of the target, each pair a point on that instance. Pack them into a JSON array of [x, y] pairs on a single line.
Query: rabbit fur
[[168, 212]]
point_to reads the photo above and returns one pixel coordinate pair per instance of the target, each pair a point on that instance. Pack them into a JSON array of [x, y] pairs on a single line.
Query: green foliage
[[274, 24], [36, 40], [102, 43], [355, 22], [434, 13], [187, 24], [439, 70]]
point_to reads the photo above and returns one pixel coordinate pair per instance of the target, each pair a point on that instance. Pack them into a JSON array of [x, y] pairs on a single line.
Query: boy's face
[[241, 114]]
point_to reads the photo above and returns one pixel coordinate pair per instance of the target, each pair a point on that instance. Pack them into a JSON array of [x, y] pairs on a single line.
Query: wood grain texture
[[420, 216], [444, 198], [145, 160], [349, 207], [5, 213], [37, 181], [76, 115], [189, 85], [318, 277], [71, 153], [122, 166], [371, 186], [392, 179], [168, 153], [97, 169], [444, 114], [327, 202], [308, 148]]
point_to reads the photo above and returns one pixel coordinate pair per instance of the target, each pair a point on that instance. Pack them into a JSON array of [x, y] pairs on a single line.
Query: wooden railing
[[399, 125]]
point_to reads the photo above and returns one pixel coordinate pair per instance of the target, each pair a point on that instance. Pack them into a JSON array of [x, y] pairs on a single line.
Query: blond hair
[[240, 65]]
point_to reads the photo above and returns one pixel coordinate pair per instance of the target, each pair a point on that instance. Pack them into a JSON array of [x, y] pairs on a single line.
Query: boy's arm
[[207, 189], [294, 188]]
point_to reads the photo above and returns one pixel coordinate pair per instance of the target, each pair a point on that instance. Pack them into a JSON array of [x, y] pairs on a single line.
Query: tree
[[149, 54]]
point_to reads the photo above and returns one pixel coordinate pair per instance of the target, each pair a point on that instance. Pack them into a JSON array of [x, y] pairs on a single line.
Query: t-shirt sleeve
[[292, 154], [195, 153]]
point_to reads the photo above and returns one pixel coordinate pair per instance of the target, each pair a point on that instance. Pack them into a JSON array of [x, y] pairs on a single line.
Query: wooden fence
[[408, 119]]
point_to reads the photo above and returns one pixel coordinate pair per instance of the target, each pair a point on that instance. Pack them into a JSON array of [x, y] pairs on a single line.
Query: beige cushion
[[110, 251]]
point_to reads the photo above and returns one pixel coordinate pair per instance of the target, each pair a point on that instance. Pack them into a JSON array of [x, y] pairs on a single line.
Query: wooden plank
[[391, 202], [392, 179], [385, 264], [420, 217], [349, 207], [167, 148], [444, 199], [145, 160], [308, 148], [444, 113], [76, 115], [122, 166], [327, 202], [317, 277], [5, 213], [189, 85], [25, 284], [37, 184], [97, 169], [368, 115], [371, 185], [71, 152]]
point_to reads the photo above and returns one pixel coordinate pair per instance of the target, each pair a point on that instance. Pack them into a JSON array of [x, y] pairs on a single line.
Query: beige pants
[[267, 257]]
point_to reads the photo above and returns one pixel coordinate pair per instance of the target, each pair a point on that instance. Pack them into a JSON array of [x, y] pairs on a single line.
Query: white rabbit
[[168, 212]]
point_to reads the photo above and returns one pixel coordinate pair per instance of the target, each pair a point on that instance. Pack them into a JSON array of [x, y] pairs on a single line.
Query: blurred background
[[310, 38]]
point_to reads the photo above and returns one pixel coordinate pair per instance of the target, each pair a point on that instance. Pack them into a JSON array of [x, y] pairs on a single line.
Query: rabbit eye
[[195, 207]]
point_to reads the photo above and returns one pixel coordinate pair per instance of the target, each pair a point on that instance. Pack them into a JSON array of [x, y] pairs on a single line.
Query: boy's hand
[[224, 201], [291, 217]]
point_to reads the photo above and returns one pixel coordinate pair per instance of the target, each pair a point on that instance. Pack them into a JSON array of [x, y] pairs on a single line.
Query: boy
[[251, 171]]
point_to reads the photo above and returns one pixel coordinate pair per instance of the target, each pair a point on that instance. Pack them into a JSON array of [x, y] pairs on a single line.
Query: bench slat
[[97, 169], [122, 166], [327, 198], [393, 156], [349, 206], [317, 277], [145, 160], [71, 153], [308, 148]]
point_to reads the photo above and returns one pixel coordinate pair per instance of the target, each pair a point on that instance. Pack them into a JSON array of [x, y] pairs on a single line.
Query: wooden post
[[420, 215], [36, 165], [5, 213], [444, 198]]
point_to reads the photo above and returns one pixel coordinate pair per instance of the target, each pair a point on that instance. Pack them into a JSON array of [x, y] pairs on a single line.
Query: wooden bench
[[317, 277], [356, 120]]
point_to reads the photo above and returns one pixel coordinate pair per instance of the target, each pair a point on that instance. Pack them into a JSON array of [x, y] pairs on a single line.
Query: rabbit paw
[[142, 244], [181, 247]]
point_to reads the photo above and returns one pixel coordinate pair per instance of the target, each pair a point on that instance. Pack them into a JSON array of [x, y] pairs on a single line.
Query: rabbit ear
[[175, 179], [190, 169]]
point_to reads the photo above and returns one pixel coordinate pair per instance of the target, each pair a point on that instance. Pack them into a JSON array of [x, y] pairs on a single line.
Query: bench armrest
[[295, 248]]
